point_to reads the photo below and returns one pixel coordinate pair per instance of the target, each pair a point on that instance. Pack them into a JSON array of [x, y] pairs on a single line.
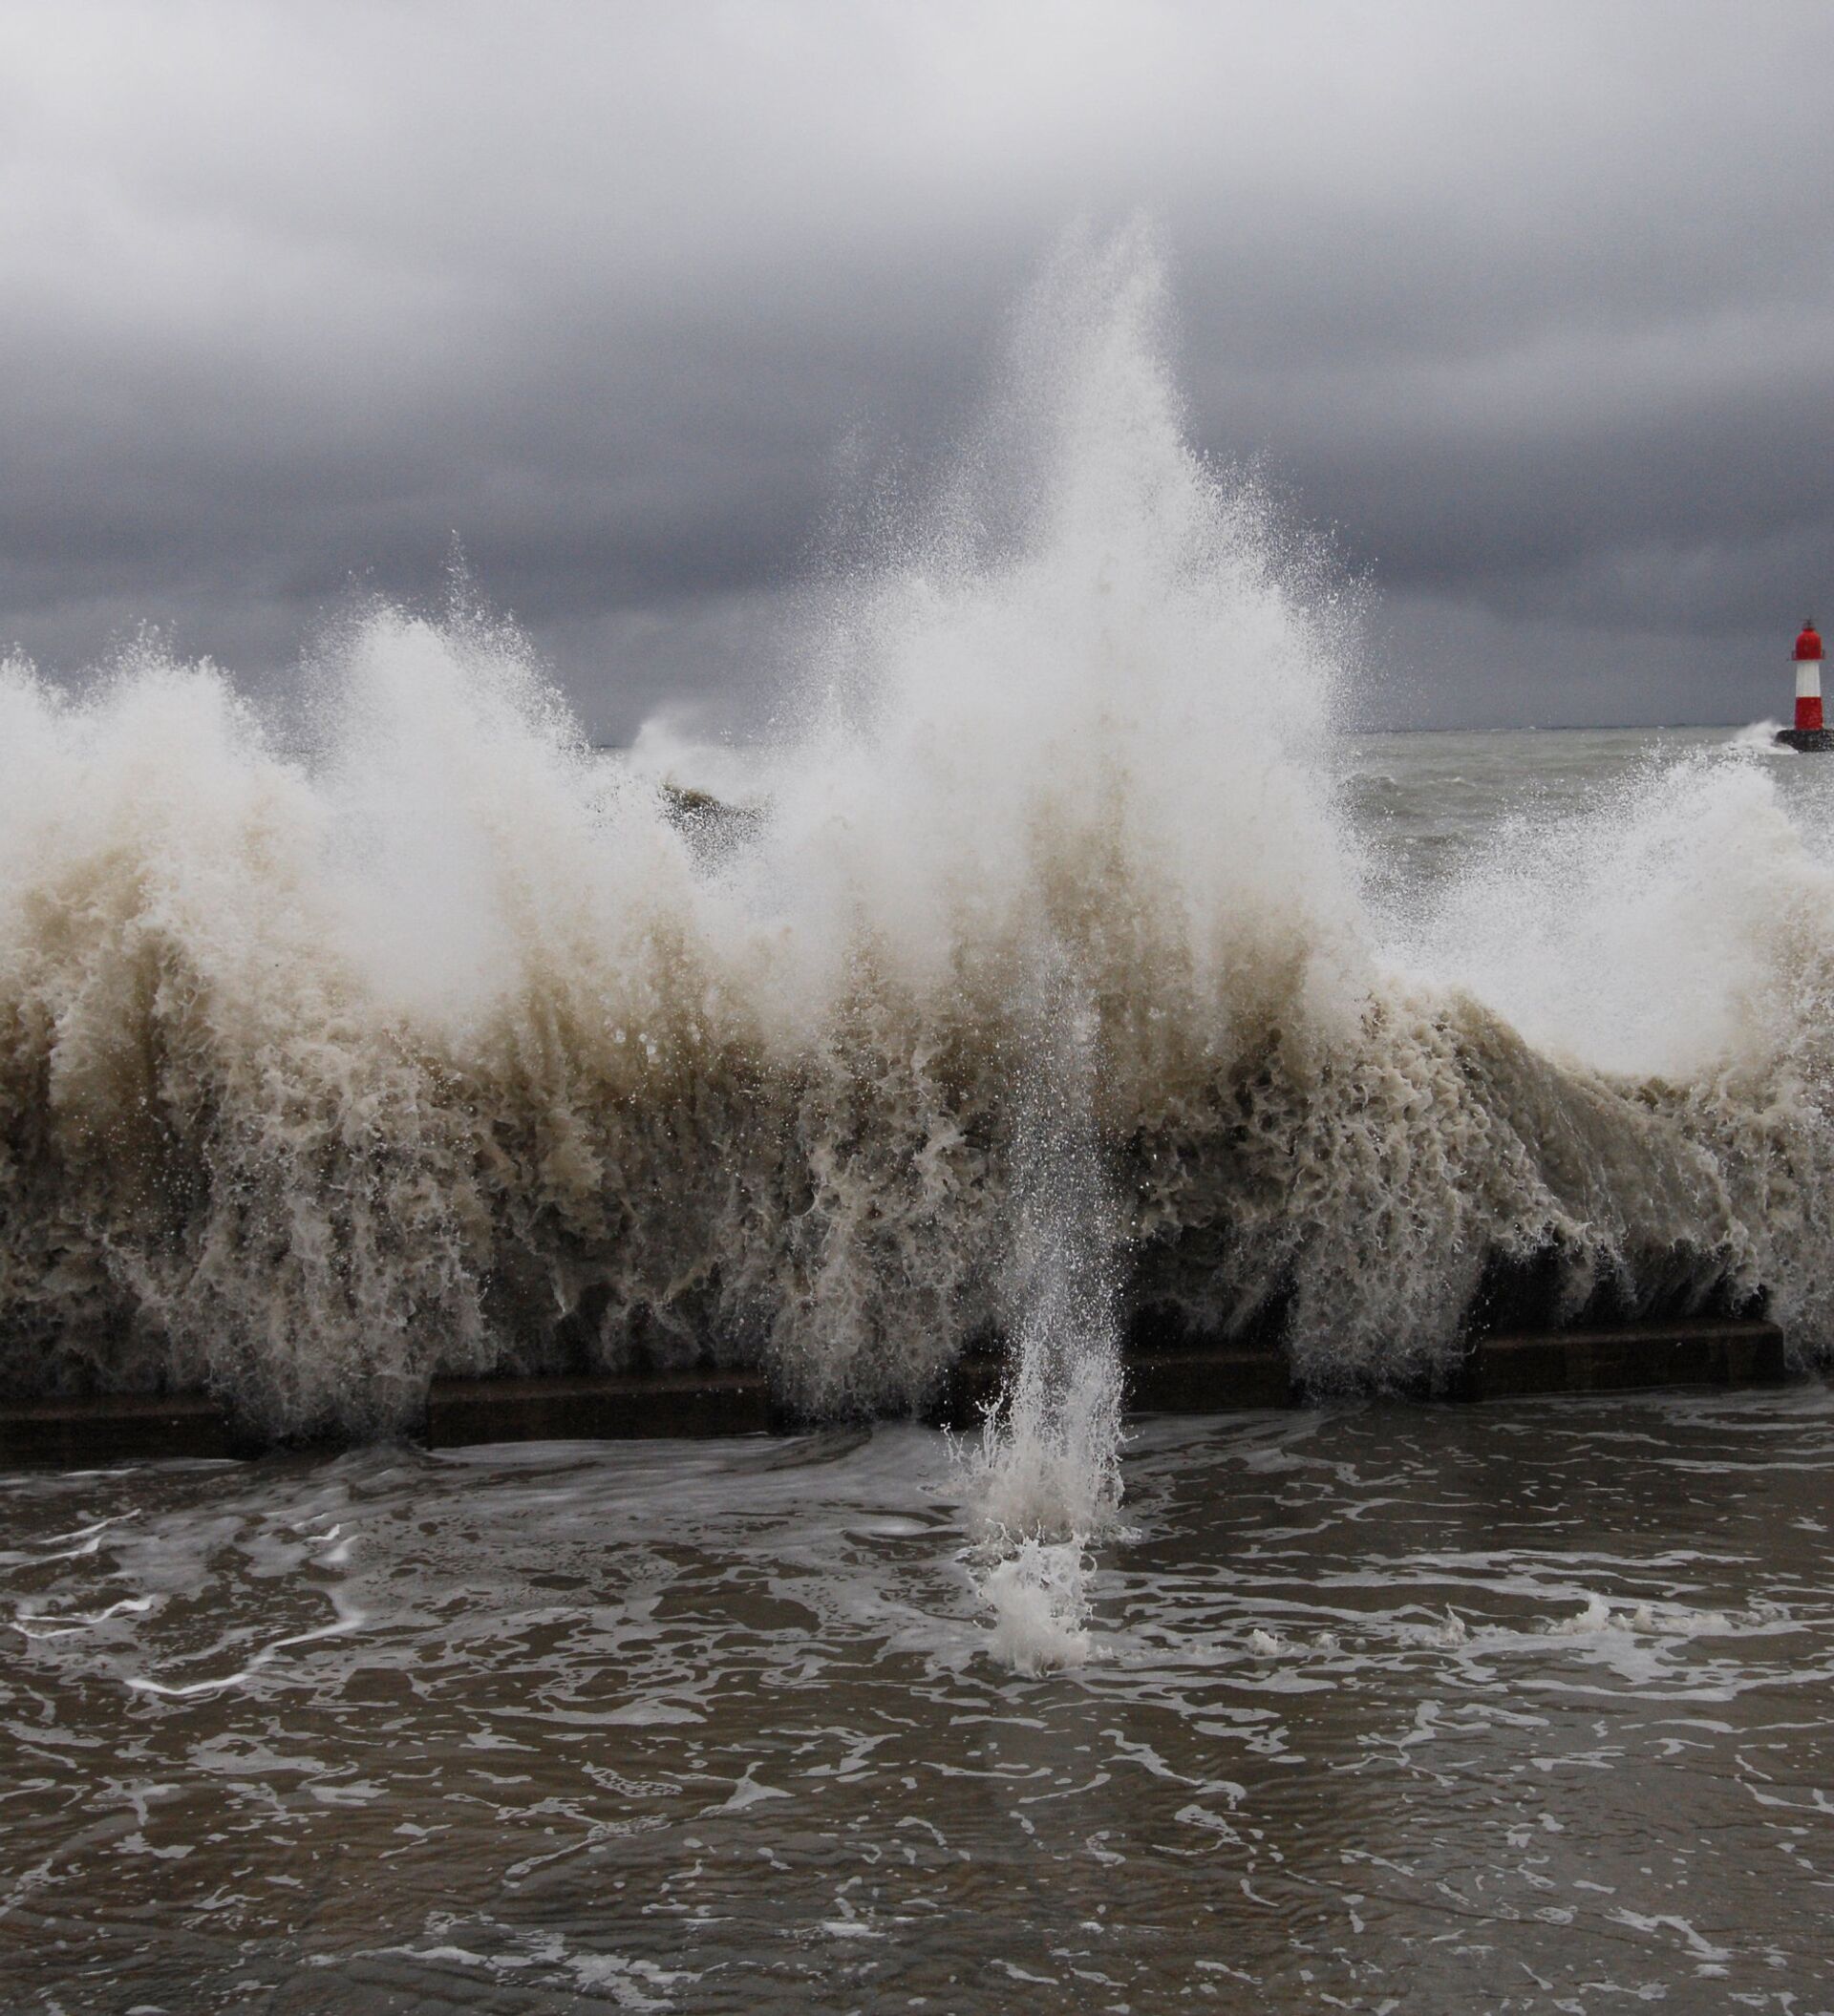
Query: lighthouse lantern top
[[1808, 645]]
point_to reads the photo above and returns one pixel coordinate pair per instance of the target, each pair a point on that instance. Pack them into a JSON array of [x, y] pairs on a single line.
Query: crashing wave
[[424, 1039]]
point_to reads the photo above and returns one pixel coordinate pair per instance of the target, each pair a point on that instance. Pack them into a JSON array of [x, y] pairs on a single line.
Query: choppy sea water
[[1429, 807], [1068, 967], [1518, 1708]]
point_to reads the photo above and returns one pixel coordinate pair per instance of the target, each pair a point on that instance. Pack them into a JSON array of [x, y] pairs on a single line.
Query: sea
[[1060, 957]]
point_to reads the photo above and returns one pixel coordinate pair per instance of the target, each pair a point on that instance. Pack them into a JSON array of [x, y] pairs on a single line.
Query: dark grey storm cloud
[[1533, 305]]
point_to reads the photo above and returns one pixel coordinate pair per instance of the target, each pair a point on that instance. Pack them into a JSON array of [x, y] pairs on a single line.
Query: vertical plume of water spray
[[1048, 1462], [1061, 808]]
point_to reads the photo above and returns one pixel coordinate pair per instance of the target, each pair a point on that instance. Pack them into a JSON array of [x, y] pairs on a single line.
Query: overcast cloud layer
[[1533, 305]]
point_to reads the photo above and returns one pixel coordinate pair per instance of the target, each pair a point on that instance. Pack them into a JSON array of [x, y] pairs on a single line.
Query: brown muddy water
[[1520, 1707]]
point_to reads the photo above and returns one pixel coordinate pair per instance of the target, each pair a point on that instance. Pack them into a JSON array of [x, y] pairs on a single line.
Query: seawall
[[1188, 1378]]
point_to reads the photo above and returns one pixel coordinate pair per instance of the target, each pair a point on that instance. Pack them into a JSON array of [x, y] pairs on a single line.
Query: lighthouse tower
[[1808, 732]]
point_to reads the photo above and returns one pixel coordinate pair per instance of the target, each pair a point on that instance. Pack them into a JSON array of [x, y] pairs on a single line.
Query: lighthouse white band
[[1808, 678]]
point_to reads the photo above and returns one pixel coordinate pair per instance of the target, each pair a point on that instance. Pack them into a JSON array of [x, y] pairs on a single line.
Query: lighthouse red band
[[1808, 678]]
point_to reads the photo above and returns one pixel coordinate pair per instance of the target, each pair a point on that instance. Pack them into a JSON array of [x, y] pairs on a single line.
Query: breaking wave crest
[[429, 1040]]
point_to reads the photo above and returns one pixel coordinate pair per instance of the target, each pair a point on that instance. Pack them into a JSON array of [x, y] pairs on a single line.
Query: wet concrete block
[[1754, 1356], [1514, 1366], [1197, 1382], [1193, 1380], [1701, 1352], [82, 1435], [615, 1406]]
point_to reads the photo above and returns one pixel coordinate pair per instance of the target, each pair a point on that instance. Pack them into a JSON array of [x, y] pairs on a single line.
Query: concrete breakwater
[[1188, 1377]]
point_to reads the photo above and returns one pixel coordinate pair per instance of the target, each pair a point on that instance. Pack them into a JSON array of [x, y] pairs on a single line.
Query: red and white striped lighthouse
[[1808, 681]]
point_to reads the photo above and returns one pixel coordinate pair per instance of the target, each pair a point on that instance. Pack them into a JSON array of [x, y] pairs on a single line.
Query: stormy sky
[[1530, 307]]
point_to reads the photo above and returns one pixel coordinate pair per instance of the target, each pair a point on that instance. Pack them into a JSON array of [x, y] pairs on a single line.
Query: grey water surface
[[1520, 1707], [1514, 1707]]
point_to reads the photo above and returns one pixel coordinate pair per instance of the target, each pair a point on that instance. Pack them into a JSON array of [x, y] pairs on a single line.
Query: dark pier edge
[[131, 1427], [1164, 1374], [604, 1407], [1197, 1378]]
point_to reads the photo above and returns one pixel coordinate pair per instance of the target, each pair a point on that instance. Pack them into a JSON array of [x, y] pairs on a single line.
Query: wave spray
[[1040, 998]]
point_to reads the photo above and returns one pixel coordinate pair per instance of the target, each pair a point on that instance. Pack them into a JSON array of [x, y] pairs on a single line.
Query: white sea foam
[[1666, 1620], [433, 1042], [1038, 1592]]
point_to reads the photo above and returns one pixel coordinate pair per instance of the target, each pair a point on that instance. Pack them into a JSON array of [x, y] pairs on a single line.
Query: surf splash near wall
[[1046, 996]]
